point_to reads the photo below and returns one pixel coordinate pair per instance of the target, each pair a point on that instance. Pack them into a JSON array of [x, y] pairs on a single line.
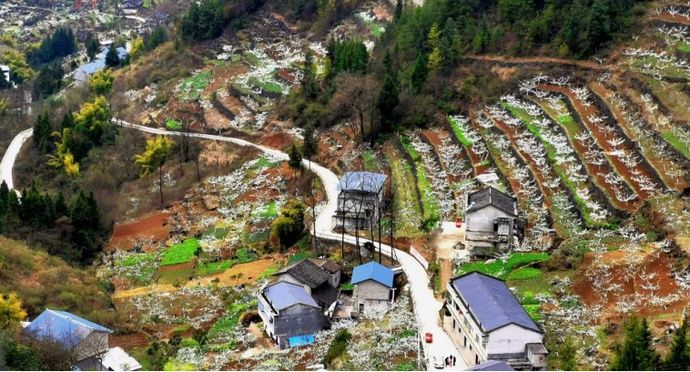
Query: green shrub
[[337, 347], [288, 228], [501, 269]]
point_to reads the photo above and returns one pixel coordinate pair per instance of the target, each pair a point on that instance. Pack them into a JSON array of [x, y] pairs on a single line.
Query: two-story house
[[290, 315], [492, 222], [373, 289], [486, 322], [360, 199], [320, 279]]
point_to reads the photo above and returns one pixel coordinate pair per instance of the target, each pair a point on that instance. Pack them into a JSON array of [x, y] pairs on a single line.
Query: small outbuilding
[[374, 289]]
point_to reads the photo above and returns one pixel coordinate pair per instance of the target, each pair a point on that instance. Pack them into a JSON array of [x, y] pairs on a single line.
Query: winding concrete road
[[427, 307]]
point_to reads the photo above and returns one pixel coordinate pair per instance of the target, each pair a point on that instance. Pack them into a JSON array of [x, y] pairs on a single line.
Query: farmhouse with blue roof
[[84, 72], [81, 338], [486, 322], [374, 289], [290, 315], [360, 199]]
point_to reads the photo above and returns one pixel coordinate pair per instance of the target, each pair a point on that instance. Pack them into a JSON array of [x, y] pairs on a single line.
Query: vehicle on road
[[438, 362], [429, 338]]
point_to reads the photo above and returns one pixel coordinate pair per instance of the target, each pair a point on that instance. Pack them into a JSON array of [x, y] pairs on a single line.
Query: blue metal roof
[[374, 271], [491, 302], [362, 181], [282, 295], [492, 365], [99, 62], [63, 327]]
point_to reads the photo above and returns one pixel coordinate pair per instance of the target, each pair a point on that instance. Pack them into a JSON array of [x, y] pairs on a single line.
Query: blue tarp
[[301, 340]]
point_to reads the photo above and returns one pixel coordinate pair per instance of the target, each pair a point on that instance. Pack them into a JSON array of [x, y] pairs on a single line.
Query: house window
[[476, 338], [464, 342], [453, 323]]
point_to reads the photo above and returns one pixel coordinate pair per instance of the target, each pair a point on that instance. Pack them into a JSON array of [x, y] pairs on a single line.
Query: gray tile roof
[[362, 181], [307, 272], [491, 365], [491, 302], [490, 196]]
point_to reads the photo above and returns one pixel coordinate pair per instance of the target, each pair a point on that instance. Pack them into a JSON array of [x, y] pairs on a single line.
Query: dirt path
[[543, 60], [667, 17], [239, 274]]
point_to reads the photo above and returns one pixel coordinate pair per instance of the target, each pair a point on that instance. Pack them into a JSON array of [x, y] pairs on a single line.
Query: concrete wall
[[511, 339], [94, 344], [483, 219], [372, 290]]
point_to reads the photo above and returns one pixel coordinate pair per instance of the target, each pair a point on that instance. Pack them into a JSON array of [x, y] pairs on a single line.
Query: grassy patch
[[459, 133], [172, 124], [407, 211], [227, 323], [191, 88], [299, 256], [676, 142], [181, 252], [431, 212], [268, 211], [524, 273], [138, 268], [370, 161], [269, 272], [175, 277], [252, 59], [211, 268], [684, 47], [268, 86], [502, 269]]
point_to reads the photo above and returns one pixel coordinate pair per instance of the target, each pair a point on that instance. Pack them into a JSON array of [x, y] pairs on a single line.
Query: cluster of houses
[[304, 298], [84, 343]]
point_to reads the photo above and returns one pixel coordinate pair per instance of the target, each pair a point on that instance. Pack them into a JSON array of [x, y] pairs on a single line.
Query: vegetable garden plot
[[673, 14], [652, 146], [534, 155], [432, 179], [408, 215], [561, 158], [624, 159], [523, 184]]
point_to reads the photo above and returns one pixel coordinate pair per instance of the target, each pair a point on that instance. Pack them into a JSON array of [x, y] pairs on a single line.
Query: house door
[[361, 308]]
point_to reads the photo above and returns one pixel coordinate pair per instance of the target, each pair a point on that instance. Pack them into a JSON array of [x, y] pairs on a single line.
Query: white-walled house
[[486, 322], [492, 222]]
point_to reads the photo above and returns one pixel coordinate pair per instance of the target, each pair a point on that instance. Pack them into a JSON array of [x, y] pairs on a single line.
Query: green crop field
[[181, 252]]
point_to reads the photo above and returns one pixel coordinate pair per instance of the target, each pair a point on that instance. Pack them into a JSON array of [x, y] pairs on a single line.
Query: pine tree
[[4, 199], [67, 121], [388, 99], [60, 206], [678, 358], [636, 352], [310, 146], [398, 10], [419, 74], [42, 131], [295, 161], [112, 59], [567, 355]]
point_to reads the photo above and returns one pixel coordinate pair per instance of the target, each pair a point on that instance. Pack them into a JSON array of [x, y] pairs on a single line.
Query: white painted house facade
[[486, 322]]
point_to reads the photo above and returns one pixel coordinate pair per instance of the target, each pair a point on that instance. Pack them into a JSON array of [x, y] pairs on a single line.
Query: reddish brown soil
[[512, 135], [182, 266], [128, 342], [659, 264], [152, 227], [678, 183], [667, 17], [277, 140], [601, 138], [514, 184]]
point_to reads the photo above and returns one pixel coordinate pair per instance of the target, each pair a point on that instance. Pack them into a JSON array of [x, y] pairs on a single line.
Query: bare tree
[[356, 95]]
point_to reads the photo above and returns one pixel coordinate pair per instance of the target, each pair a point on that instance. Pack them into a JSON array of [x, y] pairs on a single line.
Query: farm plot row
[[621, 154], [548, 147], [524, 185]]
